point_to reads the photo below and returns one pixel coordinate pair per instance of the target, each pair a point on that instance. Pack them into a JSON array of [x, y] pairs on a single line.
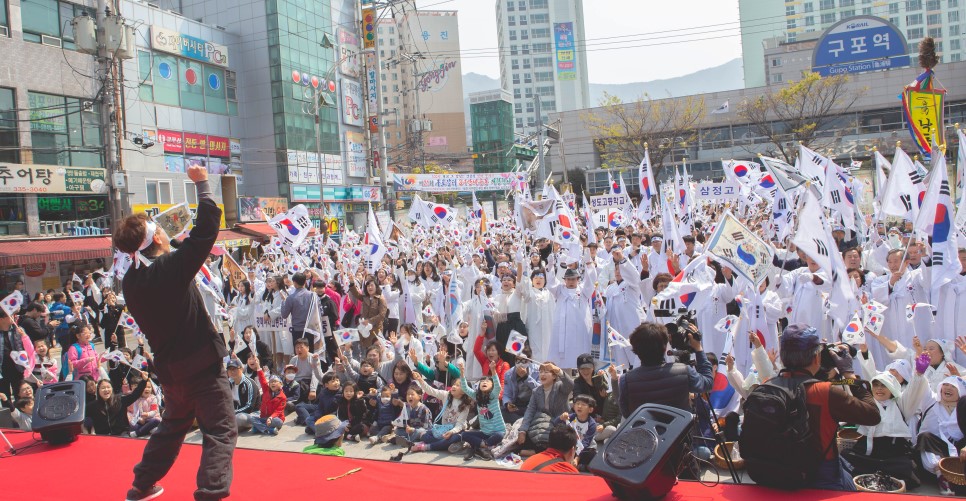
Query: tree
[[805, 112], [664, 125]]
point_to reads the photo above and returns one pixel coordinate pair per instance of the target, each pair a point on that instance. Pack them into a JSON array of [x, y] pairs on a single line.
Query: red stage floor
[[99, 468]]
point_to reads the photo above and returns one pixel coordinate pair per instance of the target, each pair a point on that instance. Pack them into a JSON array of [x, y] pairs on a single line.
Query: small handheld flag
[[516, 342]]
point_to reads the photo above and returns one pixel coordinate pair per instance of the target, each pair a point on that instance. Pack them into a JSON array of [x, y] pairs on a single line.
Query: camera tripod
[[720, 442]]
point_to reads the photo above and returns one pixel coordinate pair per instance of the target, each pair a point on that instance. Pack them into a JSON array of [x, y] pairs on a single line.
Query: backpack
[[777, 442]]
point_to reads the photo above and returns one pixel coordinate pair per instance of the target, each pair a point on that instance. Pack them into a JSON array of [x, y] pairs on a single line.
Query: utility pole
[[541, 167], [105, 58]]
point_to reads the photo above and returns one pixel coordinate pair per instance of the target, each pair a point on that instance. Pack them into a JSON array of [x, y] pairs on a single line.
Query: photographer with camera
[[789, 436], [659, 382]]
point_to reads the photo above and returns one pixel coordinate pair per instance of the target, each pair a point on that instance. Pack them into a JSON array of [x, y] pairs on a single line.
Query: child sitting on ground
[[384, 412], [414, 419], [352, 408], [291, 388], [144, 415], [271, 414], [328, 437], [582, 421]]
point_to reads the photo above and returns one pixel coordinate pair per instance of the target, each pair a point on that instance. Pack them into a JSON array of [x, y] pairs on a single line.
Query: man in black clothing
[[327, 310], [188, 351], [11, 374], [35, 323]]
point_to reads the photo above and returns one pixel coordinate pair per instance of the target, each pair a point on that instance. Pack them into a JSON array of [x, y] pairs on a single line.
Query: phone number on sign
[[28, 189]]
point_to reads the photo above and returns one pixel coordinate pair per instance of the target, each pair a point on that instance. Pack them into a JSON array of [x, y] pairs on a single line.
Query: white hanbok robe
[[909, 289], [538, 311], [803, 300], [572, 321]]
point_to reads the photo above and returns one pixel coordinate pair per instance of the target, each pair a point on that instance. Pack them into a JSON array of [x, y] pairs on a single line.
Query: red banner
[[172, 141], [218, 147], [195, 144]]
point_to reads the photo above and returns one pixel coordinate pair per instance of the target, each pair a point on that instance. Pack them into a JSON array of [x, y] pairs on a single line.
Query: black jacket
[[36, 328], [168, 307], [110, 417]]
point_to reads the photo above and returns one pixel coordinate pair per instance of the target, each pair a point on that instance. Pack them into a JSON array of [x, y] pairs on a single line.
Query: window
[[809, 20], [524, 35], [513, 34], [913, 19], [936, 33], [514, 64], [9, 142], [776, 62], [789, 10], [526, 64], [807, 7], [790, 24], [866, 11], [538, 4], [3, 13], [49, 18], [828, 18], [914, 33], [893, 8], [846, 3], [64, 131], [516, 79], [514, 50], [530, 107], [539, 18], [518, 108], [523, 20], [157, 192], [542, 62], [932, 19], [543, 76], [913, 4], [516, 93], [540, 33], [522, 5], [953, 4], [826, 4], [527, 78], [776, 78], [954, 30], [848, 13], [511, 20], [953, 16], [190, 192], [541, 48], [954, 44], [933, 5], [509, 6], [957, 57]]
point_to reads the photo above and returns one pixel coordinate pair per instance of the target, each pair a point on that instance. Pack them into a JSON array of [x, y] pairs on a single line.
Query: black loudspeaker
[[59, 411], [641, 460]]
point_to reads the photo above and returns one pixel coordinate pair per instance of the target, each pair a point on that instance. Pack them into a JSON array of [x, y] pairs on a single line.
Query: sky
[[651, 22]]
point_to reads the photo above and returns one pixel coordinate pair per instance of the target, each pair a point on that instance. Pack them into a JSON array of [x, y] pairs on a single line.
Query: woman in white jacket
[[887, 446], [538, 308], [940, 434]]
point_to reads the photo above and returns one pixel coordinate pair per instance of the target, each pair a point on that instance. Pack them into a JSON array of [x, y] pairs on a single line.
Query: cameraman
[[658, 382], [828, 405]]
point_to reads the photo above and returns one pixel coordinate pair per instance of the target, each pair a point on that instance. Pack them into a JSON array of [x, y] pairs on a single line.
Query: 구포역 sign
[[858, 44], [53, 179]]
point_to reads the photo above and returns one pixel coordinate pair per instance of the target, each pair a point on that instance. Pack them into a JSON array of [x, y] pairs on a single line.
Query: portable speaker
[[59, 411], [640, 461]]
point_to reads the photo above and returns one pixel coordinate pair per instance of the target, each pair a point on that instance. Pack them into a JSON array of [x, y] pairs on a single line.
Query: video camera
[[678, 331]]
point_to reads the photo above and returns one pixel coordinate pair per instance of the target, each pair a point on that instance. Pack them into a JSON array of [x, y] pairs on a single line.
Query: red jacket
[[501, 366], [271, 406]]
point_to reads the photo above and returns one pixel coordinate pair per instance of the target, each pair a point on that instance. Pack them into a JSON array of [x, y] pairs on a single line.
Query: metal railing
[[82, 227]]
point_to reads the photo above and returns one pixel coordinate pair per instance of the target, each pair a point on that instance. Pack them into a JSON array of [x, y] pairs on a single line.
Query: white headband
[[149, 229]]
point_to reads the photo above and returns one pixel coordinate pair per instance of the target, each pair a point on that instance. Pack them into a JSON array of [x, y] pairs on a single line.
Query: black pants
[[208, 399], [10, 383]]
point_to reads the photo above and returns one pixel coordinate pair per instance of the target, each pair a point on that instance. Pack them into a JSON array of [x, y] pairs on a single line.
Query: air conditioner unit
[[51, 41]]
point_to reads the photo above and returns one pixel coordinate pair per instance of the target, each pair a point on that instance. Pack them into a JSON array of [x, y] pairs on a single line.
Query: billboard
[[563, 39], [188, 46], [438, 183], [859, 44], [352, 103], [257, 209], [56, 179]]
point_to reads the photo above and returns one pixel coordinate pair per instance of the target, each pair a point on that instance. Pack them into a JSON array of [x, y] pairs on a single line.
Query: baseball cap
[[234, 364], [585, 361], [799, 338]]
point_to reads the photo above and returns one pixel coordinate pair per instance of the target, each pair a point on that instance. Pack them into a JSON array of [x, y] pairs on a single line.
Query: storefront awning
[[261, 230], [21, 252]]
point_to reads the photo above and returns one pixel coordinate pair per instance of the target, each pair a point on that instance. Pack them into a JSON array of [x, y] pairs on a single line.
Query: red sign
[[218, 147], [195, 144], [172, 141], [35, 270]]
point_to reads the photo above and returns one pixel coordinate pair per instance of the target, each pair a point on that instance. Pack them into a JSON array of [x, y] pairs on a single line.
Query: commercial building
[[803, 20], [491, 116], [539, 56], [422, 87]]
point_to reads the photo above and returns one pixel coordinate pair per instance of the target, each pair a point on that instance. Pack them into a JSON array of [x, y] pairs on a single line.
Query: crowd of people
[[486, 338]]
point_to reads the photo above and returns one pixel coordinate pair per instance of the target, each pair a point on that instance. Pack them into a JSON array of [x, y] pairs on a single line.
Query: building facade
[[875, 120], [803, 20], [491, 118], [422, 87], [540, 56]]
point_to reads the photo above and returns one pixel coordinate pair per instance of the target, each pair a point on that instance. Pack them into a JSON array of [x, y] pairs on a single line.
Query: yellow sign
[[235, 243], [155, 209], [926, 117], [331, 226]]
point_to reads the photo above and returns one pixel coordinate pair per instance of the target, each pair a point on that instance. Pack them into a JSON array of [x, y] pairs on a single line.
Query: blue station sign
[[859, 44]]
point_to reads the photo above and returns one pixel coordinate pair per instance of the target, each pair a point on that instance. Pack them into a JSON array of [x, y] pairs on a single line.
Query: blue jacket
[[385, 413], [510, 382], [58, 311], [328, 403]]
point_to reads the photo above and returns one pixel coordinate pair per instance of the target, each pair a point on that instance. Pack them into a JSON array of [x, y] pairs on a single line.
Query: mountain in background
[[727, 76]]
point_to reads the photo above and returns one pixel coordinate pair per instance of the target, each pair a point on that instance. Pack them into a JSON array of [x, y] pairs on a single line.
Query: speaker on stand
[[59, 411], [641, 460]]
